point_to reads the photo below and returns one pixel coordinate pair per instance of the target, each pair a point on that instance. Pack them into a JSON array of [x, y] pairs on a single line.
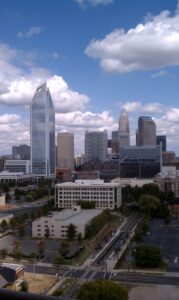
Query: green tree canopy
[[149, 203], [147, 256], [102, 289], [71, 232]]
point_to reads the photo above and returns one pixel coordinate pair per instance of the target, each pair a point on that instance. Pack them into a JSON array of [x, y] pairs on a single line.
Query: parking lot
[[166, 237]]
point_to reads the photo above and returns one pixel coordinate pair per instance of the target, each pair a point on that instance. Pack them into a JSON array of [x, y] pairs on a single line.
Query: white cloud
[[84, 3], [151, 45], [9, 118], [152, 108], [132, 106], [34, 30], [159, 74]]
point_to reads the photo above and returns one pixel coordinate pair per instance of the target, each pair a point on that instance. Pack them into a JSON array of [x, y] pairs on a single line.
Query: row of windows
[[84, 189]]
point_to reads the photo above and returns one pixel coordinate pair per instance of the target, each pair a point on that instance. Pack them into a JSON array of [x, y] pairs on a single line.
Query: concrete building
[[162, 140], [65, 150], [168, 180], [168, 157], [2, 200], [21, 152], [42, 134], [95, 146], [105, 195], [57, 223], [132, 181], [6, 177], [146, 133], [22, 166]]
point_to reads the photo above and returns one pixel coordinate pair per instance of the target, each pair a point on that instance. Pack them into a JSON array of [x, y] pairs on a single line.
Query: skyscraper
[[121, 137], [162, 140], [42, 129], [146, 133], [124, 122], [65, 150], [95, 146]]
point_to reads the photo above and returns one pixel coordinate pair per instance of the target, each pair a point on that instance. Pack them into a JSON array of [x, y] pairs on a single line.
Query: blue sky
[[97, 56]]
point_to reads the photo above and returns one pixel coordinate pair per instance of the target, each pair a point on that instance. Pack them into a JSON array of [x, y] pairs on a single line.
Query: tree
[[41, 247], [71, 232], [21, 229], [47, 233], [24, 286], [64, 248], [79, 238], [147, 256], [3, 252], [4, 224], [149, 203], [102, 289]]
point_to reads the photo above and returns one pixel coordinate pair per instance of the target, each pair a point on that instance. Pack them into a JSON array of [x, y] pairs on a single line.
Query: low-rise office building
[[57, 223], [105, 195], [10, 177], [17, 166]]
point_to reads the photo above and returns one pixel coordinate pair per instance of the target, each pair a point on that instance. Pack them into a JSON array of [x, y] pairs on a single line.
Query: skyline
[[87, 54]]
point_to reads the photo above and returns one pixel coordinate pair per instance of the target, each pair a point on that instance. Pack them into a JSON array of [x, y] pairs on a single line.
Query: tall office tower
[[124, 122], [42, 130], [21, 152], [146, 133], [162, 140], [95, 146], [65, 150]]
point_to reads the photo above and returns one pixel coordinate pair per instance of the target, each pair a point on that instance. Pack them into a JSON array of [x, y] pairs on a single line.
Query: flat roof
[[71, 216], [87, 182]]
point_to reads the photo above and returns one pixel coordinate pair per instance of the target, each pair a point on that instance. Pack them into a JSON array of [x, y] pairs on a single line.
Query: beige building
[[57, 223], [65, 150], [104, 194]]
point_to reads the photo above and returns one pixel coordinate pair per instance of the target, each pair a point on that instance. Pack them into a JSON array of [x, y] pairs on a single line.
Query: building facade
[[95, 146], [168, 180], [146, 133], [42, 127], [21, 152], [57, 223], [105, 195], [22, 166], [65, 150]]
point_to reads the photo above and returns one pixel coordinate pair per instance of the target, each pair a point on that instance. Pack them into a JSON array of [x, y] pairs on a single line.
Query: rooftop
[[87, 182], [69, 215]]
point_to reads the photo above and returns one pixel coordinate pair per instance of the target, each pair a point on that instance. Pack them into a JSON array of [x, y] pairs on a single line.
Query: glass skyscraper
[[42, 130]]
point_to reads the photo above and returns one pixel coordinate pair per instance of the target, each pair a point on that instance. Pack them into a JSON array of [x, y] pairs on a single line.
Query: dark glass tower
[[42, 129]]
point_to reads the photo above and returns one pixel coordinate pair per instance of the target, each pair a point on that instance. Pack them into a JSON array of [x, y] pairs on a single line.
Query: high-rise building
[[121, 137], [42, 129], [95, 146], [162, 140], [65, 150], [146, 133], [21, 152], [124, 122]]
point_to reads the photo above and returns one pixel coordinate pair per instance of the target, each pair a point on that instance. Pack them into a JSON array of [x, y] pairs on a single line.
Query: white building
[[2, 200], [168, 180], [105, 195], [57, 223], [132, 181], [17, 165], [20, 177]]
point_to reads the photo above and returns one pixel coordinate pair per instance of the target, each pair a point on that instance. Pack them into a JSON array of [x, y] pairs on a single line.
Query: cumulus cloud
[[34, 30], [84, 3], [18, 84], [137, 106], [17, 87], [131, 106], [151, 45]]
